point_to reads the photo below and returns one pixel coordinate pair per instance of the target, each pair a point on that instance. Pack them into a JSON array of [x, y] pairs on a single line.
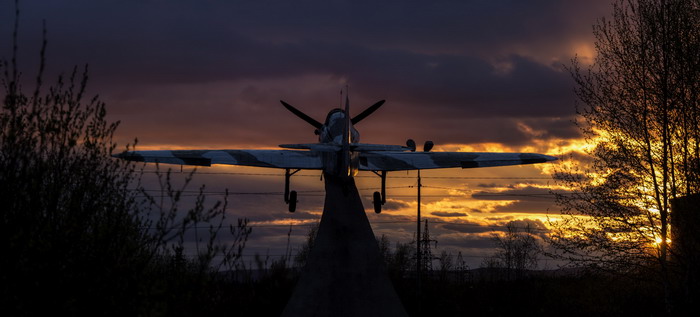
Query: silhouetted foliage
[[303, 252], [79, 234], [639, 106], [517, 251], [399, 261], [461, 291]]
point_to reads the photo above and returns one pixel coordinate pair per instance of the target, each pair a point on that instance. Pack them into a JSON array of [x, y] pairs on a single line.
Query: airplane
[[338, 154]]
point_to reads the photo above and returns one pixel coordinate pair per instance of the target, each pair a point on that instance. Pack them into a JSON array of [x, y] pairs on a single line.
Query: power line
[[358, 176], [285, 255], [260, 193], [312, 194], [266, 255], [433, 221]]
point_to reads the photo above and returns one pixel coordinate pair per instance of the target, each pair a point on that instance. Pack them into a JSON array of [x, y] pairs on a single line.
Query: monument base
[[345, 274]]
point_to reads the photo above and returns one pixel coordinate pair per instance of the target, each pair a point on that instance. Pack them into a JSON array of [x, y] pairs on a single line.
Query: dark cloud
[[539, 206], [457, 85], [394, 204], [434, 62], [390, 205], [527, 192], [470, 241], [527, 199], [446, 25], [465, 227], [546, 128], [500, 218], [533, 224], [449, 214], [494, 185]]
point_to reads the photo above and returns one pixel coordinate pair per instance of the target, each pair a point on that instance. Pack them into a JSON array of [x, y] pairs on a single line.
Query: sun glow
[[449, 199], [658, 240]]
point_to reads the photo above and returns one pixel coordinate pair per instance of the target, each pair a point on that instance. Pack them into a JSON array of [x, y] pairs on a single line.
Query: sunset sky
[[472, 75]]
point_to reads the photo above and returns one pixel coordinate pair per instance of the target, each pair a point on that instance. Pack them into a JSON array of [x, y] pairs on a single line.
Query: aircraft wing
[[260, 158], [402, 161], [358, 147]]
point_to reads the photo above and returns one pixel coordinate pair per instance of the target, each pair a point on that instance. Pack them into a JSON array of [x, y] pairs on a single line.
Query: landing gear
[[292, 201], [379, 199], [290, 198]]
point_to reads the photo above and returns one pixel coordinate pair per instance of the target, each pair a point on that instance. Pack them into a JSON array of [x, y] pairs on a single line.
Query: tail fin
[[346, 168], [348, 121]]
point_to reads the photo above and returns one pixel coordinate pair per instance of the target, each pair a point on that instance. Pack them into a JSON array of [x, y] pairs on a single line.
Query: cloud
[[535, 225], [526, 191], [527, 199], [494, 185], [527, 206], [482, 26], [472, 241], [395, 204], [210, 73], [449, 214], [465, 227]]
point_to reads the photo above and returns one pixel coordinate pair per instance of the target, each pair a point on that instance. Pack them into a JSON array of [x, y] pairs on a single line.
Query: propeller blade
[[302, 115], [367, 112]]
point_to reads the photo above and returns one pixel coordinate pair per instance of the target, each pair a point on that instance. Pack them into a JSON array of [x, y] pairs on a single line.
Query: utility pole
[[418, 247]]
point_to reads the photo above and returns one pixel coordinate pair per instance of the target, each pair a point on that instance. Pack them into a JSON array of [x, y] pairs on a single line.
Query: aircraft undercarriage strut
[[378, 198], [290, 198]]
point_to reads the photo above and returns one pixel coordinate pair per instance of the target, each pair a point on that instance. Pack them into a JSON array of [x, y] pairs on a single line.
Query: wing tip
[[550, 158], [130, 156]]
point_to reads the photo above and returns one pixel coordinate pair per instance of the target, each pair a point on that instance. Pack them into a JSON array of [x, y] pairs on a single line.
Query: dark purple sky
[[209, 74]]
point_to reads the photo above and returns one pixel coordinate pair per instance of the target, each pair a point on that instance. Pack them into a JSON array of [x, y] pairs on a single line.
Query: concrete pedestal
[[344, 274]]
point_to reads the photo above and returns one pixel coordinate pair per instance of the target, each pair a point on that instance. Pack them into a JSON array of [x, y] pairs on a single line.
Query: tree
[[402, 261], [639, 107], [517, 251], [303, 253], [446, 262], [79, 234]]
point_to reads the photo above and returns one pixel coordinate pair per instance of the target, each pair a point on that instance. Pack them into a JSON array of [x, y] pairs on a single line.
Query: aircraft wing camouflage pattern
[[260, 158], [403, 161], [369, 161]]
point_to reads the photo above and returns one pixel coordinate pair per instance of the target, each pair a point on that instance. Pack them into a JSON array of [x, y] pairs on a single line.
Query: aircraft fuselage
[[339, 130]]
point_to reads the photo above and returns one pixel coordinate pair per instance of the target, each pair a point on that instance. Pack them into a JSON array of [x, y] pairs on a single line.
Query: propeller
[[367, 112], [303, 116]]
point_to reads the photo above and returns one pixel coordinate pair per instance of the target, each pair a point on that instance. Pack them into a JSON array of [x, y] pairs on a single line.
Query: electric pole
[[418, 247]]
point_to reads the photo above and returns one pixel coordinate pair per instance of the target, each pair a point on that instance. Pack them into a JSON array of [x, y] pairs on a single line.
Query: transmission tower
[[426, 250]]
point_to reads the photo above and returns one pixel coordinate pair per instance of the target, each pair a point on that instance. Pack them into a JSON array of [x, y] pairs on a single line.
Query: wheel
[[293, 201], [377, 202]]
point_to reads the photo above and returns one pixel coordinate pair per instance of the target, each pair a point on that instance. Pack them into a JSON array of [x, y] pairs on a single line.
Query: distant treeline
[[451, 288]]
